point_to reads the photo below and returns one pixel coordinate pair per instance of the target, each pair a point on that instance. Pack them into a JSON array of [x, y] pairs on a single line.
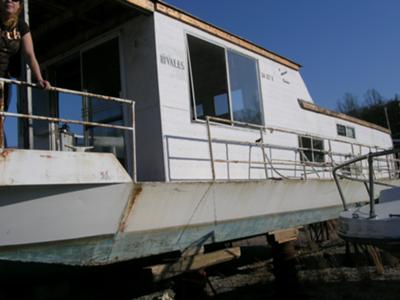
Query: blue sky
[[343, 45]]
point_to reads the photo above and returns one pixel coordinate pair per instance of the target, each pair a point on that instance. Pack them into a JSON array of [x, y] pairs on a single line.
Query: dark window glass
[[245, 92], [312, 149], [346, 131], [341, 130], [210, 85]]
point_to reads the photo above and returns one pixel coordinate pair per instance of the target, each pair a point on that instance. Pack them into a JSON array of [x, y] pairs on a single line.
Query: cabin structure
[[221, 141], [178, 70]]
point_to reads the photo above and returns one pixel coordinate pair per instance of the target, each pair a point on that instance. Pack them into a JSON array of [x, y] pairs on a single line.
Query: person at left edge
[[15, 36]]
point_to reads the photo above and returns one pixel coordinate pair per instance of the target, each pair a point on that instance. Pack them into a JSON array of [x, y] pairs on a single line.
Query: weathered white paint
[[49, 213], [93, 227], [356, 223], [25, 167], [82, 208], [186, 159]]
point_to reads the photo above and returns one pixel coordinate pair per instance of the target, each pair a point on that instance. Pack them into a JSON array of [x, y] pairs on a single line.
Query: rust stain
[[5, 153], [137, 190]]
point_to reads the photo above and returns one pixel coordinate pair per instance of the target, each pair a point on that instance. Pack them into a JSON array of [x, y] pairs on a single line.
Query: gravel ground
[[322, 274], [323, 271]]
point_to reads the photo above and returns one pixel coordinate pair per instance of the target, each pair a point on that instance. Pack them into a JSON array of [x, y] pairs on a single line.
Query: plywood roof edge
[[147, 5], [317, 109], [176, 13]]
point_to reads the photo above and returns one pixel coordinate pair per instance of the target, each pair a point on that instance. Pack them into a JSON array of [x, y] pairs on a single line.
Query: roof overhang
[[64, 24]]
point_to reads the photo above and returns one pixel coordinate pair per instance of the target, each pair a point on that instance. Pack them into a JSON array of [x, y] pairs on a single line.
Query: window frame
[[347, 128], [226, 49], [319, 151]]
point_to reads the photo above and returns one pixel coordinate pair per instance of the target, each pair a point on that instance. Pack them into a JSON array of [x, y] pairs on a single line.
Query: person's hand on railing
[[44, 84]]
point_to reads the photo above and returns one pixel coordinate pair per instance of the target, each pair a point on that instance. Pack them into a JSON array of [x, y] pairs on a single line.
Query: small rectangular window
[[311, 149], [346, 131]]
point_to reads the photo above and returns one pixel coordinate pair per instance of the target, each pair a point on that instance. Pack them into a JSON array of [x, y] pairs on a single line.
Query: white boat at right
[[378, 222]]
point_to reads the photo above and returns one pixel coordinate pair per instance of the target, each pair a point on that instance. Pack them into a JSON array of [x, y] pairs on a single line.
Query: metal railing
[[369, 183], [55, 120], [273, 167]]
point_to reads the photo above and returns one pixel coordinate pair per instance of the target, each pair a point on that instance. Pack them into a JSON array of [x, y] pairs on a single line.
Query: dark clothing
[[10, 46], [10, 49]]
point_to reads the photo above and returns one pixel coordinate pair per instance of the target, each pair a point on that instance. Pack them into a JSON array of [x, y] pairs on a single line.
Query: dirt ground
[[324, 271], [325, 268]]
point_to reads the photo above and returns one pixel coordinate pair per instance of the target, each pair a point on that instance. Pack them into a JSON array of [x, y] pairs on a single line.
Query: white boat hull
[[383, 230], [93, 224]]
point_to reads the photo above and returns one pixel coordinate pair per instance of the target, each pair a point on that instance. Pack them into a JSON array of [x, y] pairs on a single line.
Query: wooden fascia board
[[195, 22], [317, 109], [144, 4]]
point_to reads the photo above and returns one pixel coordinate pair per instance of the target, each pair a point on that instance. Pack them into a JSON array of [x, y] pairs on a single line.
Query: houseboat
[[164, 132]]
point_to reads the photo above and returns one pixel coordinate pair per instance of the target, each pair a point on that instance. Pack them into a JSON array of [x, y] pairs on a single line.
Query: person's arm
[[29, 53]]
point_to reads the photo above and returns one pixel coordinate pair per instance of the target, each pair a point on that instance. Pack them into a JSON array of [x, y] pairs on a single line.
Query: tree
[[349, 105], [373, 109], [372, 97]]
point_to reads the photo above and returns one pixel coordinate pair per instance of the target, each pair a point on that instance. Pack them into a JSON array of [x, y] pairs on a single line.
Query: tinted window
[[245, 92], [210, 85]]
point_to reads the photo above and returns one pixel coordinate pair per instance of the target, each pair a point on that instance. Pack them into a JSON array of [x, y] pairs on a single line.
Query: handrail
[[68, 91], [370, 158], [309, 167], [50, 120], [283, 130]]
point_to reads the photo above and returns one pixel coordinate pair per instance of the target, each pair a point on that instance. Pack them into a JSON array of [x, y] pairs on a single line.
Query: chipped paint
[[5, 153], [25, 167], [137, 190]]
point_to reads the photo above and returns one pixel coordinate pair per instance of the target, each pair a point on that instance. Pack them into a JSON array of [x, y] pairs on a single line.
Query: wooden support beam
[[145, 4], [285, 235], [192, 263], [320, 110]]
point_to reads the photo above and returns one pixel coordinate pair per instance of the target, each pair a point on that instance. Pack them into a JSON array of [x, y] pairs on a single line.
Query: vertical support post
[[352, 156], [263, 153], [210, 147], [85, 117], [388, 166], [2, 144], [330, 154], [134, 168], [53, 128], [28, 78], [302, 159], [284, 265], [371, 187]]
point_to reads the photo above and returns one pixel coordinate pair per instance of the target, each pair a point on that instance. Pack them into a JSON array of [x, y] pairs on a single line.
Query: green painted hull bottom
[[104, 250]]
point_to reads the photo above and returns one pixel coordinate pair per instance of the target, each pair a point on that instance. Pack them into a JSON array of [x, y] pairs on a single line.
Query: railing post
[[2, 117], [330, 154], [210, 147], [263, 153], [302, 159], [134, 168], [371, 186]]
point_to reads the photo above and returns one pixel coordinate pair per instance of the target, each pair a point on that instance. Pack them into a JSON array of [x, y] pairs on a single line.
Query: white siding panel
[[186, 141]]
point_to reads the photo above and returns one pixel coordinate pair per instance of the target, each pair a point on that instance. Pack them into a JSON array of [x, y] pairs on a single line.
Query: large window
[[245, 93], [312, 149], [224, 83]]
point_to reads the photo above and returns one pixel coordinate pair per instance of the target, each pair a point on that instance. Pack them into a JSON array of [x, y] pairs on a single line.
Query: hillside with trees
[[375, 109]]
